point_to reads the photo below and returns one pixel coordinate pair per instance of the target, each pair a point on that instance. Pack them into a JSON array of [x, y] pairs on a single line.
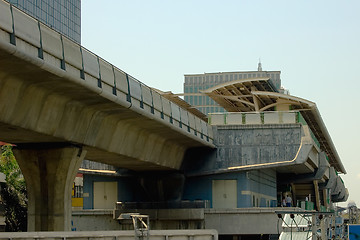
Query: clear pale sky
[[315, 45]]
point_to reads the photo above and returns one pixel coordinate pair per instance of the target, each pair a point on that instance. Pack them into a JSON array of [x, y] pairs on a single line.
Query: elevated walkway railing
[[164, 205]]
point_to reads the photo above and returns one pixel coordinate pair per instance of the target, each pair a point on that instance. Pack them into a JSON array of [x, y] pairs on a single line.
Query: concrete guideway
[[61, 103]]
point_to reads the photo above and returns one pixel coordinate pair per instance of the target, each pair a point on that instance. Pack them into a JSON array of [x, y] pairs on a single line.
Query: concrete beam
[[49, 175], [110, 133]]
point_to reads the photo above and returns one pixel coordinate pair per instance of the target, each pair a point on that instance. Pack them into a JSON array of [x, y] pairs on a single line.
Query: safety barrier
[[208, 234]]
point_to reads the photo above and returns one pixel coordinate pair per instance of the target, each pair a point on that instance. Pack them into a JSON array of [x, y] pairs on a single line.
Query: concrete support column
[[323, 228], [317, 195], [293, 191], [313, 227], [49, 175], [325, 197]]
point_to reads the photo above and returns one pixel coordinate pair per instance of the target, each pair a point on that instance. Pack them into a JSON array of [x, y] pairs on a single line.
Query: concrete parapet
[[243, 221], [208, 234], [167, 214]]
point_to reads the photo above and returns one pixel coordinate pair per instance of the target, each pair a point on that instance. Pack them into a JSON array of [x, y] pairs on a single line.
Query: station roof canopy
[[235, 96], [258, 94]]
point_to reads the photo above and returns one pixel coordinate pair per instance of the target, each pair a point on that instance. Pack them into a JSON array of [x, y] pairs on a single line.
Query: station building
[[269, 146]]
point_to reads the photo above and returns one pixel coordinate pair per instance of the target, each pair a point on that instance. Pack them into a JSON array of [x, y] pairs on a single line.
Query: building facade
[[195, 83], [63, 16]]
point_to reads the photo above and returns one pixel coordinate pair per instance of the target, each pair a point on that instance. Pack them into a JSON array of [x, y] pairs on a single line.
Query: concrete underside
[[39, 107]]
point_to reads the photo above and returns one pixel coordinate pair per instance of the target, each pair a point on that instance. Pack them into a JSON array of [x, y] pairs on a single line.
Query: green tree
[[13, 192]]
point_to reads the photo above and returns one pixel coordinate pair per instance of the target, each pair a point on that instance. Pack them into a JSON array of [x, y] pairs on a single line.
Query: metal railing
[[164, 205]]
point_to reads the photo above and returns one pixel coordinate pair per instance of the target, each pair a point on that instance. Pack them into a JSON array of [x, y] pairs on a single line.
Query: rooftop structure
[[195, 83]]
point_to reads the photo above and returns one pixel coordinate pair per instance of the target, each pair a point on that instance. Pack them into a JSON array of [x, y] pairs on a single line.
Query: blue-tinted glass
[[62, 15]]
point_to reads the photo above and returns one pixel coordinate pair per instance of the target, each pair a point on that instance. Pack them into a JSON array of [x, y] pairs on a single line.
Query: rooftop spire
[[259, 66]]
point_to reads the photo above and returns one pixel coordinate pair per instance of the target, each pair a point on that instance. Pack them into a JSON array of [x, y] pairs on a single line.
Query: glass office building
[[195, 83], [63, 16]]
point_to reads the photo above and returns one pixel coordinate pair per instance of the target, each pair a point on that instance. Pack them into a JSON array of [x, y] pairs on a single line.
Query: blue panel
[[201, 187], [88, 189], [198, 189], [354, 232], [126, 188]]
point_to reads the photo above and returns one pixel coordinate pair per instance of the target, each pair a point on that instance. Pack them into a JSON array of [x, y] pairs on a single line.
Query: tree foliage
[[13, 192]]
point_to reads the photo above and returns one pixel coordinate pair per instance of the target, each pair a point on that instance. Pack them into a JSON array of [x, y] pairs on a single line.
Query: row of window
[[43, 3], [62, 15], [256, 202], [200, 100], [228, 77]]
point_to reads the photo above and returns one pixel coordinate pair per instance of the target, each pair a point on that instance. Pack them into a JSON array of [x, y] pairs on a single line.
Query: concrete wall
[[243, 221], [252, 145], [189, 218], [225, 221], [144, 187], [126, 188], [244, 146], [207, 234], [94, 220]]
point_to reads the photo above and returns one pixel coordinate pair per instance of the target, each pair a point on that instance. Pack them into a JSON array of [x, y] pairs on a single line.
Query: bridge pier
[[49, 175]]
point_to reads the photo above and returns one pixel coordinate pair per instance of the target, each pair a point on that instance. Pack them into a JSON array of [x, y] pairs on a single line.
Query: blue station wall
[[255, 188], [125, 188]]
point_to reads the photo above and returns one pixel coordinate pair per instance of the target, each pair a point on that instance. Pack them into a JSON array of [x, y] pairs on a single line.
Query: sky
[[315, 45]]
